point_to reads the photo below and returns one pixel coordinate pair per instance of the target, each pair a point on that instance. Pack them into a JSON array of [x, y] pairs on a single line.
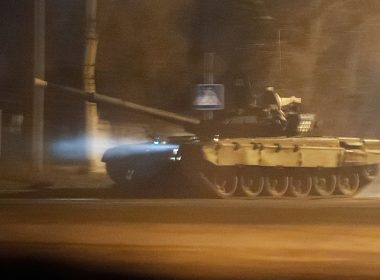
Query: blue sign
[[209, 97]]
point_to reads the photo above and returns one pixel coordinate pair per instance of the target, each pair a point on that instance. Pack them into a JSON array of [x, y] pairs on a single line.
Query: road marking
[[23, 200], [362, 202]]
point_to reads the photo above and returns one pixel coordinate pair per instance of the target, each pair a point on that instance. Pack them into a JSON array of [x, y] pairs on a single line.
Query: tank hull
[[278, 166], [265, 166], [316, 152]]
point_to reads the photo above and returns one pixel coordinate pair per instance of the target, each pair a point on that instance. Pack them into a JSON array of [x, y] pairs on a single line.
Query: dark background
[[151, 52]]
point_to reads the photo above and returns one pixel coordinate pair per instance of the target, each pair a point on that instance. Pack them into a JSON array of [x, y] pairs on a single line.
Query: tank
[[261, 150], [259, 154]]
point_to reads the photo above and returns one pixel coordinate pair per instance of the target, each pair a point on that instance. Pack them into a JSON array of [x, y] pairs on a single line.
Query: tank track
[[256, 182]]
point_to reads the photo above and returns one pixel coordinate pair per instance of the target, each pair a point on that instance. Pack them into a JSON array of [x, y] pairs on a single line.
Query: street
[[184, 238]]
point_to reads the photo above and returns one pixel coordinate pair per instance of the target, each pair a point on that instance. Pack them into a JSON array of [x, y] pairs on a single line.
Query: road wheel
[[300, 185], [276, 183], [368, 173], [222, 180], [348, 182], [324, 183], [251, 182]]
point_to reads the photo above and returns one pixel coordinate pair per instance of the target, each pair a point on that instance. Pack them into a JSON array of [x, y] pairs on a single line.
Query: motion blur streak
[[72, 148]]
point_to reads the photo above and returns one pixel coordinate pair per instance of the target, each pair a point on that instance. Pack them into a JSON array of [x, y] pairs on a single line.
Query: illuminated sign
[[209, 97]]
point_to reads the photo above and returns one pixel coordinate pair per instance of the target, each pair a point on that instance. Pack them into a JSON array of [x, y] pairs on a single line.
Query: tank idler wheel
[[348, 182], [324, 183], [369, 172], [251, 182], [300, 185], [276, 183], [222, 180]]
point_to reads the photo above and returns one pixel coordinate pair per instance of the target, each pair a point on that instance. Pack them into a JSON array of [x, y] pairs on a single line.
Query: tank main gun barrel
[[97, 97]]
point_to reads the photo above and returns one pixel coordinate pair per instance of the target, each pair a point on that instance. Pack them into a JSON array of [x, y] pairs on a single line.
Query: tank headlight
[[174, 157]]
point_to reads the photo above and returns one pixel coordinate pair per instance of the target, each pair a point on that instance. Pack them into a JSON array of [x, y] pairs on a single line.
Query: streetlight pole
[[38, 92], [91, 113]]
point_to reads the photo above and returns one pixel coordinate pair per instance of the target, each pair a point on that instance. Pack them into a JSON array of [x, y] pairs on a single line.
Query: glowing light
[[75, 148], [216, 138]]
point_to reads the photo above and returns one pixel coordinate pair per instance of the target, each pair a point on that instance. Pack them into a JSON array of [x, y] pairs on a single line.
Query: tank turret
[[254, 120]]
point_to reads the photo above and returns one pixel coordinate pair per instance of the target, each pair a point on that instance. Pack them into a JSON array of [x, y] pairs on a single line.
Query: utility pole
[[91, 117], [38, 92]]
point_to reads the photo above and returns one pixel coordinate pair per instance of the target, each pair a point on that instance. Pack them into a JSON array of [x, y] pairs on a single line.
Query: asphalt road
[[97, 236]]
